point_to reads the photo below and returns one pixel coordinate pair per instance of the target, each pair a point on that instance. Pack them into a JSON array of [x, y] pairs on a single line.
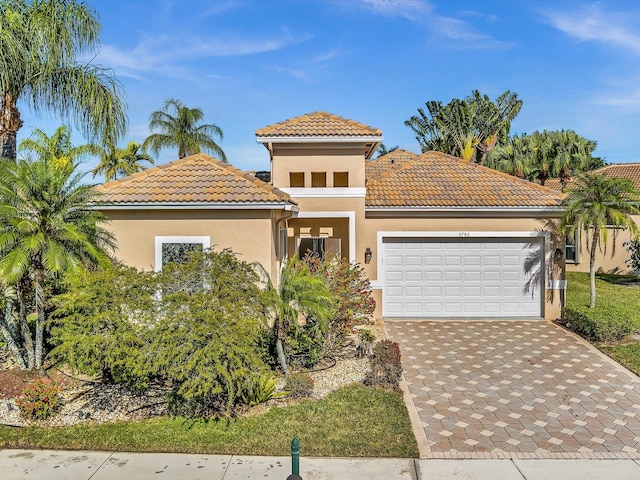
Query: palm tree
[[494, 119], [299, 292], [57, 148], [48, 227], [39, 44], [465, 127], [179, 126], [116, 161], [594, 205], [511, 158], [382, 150]]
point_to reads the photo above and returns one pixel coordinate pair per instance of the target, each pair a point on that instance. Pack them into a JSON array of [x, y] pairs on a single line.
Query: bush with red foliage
[[386, 368]]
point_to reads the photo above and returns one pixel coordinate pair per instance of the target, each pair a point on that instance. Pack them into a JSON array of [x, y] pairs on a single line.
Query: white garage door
[[475, 278]]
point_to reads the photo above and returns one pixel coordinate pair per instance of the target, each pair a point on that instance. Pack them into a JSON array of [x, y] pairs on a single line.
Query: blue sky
[[250, 63]]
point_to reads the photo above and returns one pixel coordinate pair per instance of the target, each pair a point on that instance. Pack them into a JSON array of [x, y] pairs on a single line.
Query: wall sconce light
[[558, 254], [367, 255]]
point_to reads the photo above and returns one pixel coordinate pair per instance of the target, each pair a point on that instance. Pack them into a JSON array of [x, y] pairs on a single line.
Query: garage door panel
[[393, 275], [453, 276], [413, 291], [433, 276], [413, 260], [441, 278], [413, 276]]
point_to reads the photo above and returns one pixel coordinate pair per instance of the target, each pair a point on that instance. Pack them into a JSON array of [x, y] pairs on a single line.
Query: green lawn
[[617, 311], [355, 421], [627, 355], [617, 314]]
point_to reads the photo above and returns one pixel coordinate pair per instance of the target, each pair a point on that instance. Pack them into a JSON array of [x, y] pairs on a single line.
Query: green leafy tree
[[48, 227], [594, 205], [465, 127], [116, 161], [40, 41], [177, 125]]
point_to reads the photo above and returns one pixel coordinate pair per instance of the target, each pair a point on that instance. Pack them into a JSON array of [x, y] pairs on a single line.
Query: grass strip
[[627, 355], [355, 421]]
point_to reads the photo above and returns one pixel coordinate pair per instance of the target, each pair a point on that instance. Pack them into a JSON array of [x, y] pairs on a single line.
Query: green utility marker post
[[295, 460]]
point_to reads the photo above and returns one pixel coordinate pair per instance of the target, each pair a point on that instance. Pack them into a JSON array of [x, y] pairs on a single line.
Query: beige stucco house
[[614, 258], [437, 236]]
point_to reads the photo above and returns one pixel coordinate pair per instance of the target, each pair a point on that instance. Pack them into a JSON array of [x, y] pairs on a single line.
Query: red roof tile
[[435, 179], [318, 124], [194, 179]]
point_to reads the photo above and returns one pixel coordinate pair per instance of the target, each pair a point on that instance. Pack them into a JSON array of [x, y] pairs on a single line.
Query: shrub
[[40, 400], [597, 327], [365, 347], [633, 247], [305, 344], [351, 291], [299, 385], [386, 368], [258, 390], [200, 337]]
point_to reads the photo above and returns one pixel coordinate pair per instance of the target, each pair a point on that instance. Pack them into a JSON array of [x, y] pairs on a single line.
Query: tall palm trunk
[[278, 327], [592, 267], [281, 358], [40, 317], [27, 338], [12, 339], [10, 123]]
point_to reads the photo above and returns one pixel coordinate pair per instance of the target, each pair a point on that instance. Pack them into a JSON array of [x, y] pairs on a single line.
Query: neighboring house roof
[[553, 183], [435, 180], [389, 161], [620, 170], [318, 124], [195, 180]]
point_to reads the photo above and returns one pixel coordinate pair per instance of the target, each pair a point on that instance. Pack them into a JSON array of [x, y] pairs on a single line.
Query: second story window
[[340, 179], [296, 179], [318, 179]]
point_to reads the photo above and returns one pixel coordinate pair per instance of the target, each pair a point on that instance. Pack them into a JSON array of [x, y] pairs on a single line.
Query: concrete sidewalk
[[58, 465]]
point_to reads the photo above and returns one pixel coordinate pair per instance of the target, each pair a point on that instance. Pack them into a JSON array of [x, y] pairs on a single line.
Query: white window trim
[[159, 241], [576, 245], [352, 226]]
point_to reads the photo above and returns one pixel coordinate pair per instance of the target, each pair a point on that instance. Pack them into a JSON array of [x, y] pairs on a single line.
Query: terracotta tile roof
[[387, 162], [620, 170], [435, 179], [194, 179], [554, 184], [318, 124]]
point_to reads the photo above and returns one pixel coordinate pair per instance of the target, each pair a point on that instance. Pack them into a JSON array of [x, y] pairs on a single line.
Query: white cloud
[[290, 71], [627, 101], [592, 23], [409, 9], [462, 33], [165, 54]]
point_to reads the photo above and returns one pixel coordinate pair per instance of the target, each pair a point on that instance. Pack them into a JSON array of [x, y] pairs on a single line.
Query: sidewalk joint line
[[101, 465]]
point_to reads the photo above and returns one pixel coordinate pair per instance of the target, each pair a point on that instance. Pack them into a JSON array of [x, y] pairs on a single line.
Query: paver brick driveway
[[516, 386]]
